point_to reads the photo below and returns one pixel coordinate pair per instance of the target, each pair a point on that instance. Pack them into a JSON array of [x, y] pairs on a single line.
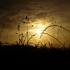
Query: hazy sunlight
[[38, 31]]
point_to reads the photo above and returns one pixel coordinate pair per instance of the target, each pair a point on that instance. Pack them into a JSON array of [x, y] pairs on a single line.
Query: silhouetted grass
[[27, 55], [20, 55]]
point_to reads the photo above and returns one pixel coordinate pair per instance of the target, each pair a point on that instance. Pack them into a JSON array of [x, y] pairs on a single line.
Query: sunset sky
[[41, 13]]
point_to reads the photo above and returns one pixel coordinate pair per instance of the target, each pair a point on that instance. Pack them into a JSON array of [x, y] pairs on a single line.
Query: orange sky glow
[[34, 16]]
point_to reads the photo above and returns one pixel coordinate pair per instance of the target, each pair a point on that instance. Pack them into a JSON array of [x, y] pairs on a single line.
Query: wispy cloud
[[13, 12]]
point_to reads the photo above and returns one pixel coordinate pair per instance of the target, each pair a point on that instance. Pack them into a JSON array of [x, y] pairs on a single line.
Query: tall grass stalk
[[53, 38], [31, 37], [63, 36], [54, 26]]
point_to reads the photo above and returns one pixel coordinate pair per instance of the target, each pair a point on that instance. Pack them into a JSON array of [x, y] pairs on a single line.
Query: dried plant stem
[[31, 37], [53, 37], [64, 36], [54, 26]]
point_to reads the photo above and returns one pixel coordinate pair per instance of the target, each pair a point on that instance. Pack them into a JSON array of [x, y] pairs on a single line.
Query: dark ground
[[30, 57]]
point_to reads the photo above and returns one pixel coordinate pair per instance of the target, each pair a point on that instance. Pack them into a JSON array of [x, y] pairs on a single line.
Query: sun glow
[[38, 31]]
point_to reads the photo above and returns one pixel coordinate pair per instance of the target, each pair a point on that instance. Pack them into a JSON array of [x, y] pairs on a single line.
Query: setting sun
[[38, 31]]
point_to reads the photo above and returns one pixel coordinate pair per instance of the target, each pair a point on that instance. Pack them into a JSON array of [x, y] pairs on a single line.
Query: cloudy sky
[[41, 13]]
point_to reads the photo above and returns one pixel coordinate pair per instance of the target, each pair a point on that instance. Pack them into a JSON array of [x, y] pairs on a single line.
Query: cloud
[[41, 15], [13, 12]]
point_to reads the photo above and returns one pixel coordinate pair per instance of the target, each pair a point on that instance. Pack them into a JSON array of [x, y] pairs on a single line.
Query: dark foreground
[[30, 57]]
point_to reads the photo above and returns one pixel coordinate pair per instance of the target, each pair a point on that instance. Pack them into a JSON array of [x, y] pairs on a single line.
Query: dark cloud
[[41, 15], [13, 12]]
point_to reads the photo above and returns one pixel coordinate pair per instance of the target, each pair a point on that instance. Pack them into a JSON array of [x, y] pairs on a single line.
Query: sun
[[38, 31]]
